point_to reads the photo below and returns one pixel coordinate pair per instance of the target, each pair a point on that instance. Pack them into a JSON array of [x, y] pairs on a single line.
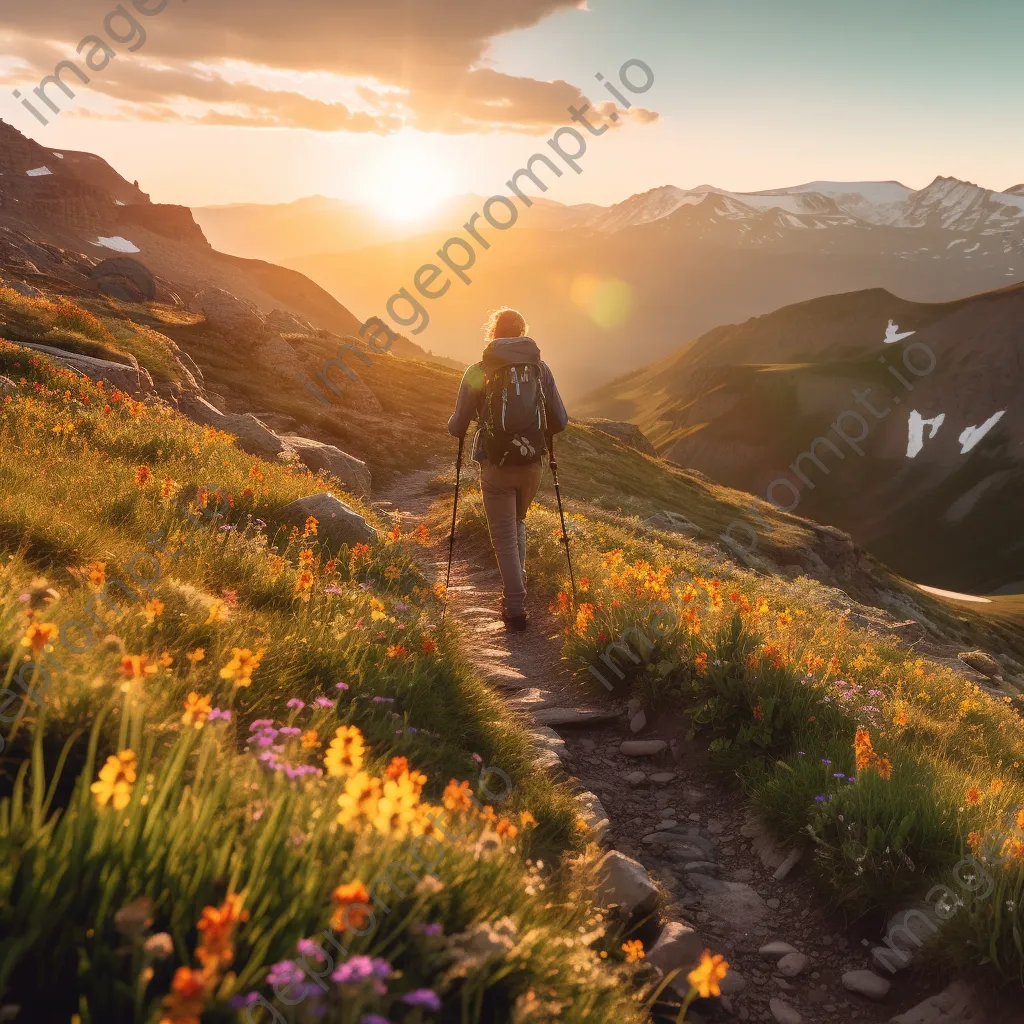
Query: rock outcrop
[[337, 523], [628, 434], [128, 377], [352, 473]]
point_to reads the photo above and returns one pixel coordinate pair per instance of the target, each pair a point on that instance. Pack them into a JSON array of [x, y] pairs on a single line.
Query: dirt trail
[[684, 823]]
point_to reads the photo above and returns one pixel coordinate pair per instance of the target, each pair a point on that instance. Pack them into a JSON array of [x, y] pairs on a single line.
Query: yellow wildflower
[[634, 950], [115, 781], [242, 665], [346, 753], [197, 709], [708, 973]]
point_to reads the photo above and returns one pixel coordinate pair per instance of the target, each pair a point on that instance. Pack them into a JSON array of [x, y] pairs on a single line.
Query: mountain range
[[607, 290]]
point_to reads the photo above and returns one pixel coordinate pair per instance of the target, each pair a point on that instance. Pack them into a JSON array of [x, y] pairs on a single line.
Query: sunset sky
[[227, 101]]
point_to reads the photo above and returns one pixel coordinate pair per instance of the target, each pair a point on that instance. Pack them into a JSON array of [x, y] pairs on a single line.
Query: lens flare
[[606, 300]]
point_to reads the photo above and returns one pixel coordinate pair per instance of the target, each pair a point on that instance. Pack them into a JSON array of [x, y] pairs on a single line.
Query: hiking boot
[[518, 623]]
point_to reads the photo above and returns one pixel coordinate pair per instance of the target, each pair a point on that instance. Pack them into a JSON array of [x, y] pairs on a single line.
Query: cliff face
[[79, 193]]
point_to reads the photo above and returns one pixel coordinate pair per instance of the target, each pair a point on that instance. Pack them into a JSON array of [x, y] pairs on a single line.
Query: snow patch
[[59, 156], [39, 172], [973, 248], [117, 243], [953, 595]]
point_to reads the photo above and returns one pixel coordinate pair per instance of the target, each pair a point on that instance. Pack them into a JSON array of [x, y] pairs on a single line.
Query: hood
[[510, 352]]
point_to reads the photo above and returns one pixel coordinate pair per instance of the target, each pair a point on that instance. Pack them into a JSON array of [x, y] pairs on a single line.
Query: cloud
[[421, 63]]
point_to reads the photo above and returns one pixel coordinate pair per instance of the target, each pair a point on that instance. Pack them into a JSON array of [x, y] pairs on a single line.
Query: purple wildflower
[[249, 999], [838, 775], [825, 760], [401, 606], [296, 703], [425, 997], [290, 730], [324, 702], [218, 713], [260, 723], [373, 1018], [432, 931], [333, 589], [820, 799], [360, 968], [286, 972], [800, 753], [874, 693], [341, 686]]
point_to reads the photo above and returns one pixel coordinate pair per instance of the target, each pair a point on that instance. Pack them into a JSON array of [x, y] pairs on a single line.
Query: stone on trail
[[337, 524], [867, 984], [635, 778], [678, 948], [623, 881], [783, 1012], [793, 964], [593, 813], [981, 662], [663, 778], [791, 861], [642, 748], [547, 759], [638, 722], [530, 696], [774, 950], [575, 716], [954, 1005], [735, 903], [548, 739]]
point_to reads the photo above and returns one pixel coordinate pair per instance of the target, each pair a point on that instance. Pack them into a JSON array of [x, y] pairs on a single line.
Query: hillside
[[744, 403]]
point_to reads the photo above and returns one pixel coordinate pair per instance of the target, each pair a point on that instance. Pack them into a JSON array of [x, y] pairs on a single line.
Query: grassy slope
[[206, 817]]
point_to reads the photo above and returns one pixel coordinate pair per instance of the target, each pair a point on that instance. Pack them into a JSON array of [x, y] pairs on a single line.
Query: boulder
[[981, 662], [253, 435], [7, 387], [783, 1012], [628, 434], [775, 950], [123, 278], [337, 523], [229, 314], [793, 964], [128, 377], [353, 474], [30, 291], [678, 948], [625, 882]]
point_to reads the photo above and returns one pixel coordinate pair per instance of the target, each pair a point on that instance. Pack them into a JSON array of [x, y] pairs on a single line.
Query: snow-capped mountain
[[947, 204]]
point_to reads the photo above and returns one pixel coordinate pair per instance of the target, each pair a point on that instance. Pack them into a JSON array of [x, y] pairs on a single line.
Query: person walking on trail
[[512, 395]]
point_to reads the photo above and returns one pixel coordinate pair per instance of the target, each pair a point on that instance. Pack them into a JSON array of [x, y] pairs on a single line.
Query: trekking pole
[[451, 537], [561, 514]]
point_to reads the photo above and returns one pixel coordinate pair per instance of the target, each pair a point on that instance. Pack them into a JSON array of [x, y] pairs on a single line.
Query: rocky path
[[647, 794]]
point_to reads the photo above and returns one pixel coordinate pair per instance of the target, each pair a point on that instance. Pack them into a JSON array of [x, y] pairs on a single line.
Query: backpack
[[514, 417]]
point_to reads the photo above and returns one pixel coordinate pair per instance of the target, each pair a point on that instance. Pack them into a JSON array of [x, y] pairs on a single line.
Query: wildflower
[[351, 907], [428, 646], [900, 718], [97, 574], [137, 666], [425, 997], [218, 612], [216, 928], [38, 635], [826, 760], [974, 841], [116, 779], [397, 651], [308, 948], [242, 665], [758, 712], [432, 931], [143, 475], [393, 572], [505, 829], [346, 752], [997, 787], [167, 488], [863, 749], [304, 584], [634, 950], [527, 820], [785, 618], [396, 809], [197, 710], [395, 534], [420, 535], [159, 946], [310, 739], [152, 610], [398, 766], [296, 703], [359, 801], [974, 796], [456, 796], [187, 998], [218, 714], [306, 558], [708, 973], [310, 527]]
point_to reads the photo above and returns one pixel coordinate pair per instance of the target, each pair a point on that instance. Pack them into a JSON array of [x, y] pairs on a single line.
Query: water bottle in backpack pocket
[[513, 415]]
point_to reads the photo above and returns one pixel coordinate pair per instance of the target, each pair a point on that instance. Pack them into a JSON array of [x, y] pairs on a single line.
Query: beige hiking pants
[[508, 492]]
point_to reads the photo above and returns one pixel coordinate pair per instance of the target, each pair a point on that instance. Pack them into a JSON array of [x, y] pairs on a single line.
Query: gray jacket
[[507, 352]]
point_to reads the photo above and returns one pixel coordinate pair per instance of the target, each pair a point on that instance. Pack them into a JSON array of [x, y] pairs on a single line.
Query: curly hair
[[505, 323]]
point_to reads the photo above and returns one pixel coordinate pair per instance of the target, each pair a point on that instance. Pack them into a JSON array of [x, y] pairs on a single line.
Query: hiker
[[512, 396]]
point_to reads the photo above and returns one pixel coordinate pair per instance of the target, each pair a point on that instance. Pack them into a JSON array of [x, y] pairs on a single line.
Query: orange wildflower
[[634, 950], [38, 635], [351, 907], [216, 927], [143, 475], [456, 796]]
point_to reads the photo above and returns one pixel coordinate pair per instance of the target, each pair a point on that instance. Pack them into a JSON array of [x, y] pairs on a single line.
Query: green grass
[[205, 817]]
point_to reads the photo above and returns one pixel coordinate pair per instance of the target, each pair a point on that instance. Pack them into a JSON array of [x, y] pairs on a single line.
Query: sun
[[409, 182]]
